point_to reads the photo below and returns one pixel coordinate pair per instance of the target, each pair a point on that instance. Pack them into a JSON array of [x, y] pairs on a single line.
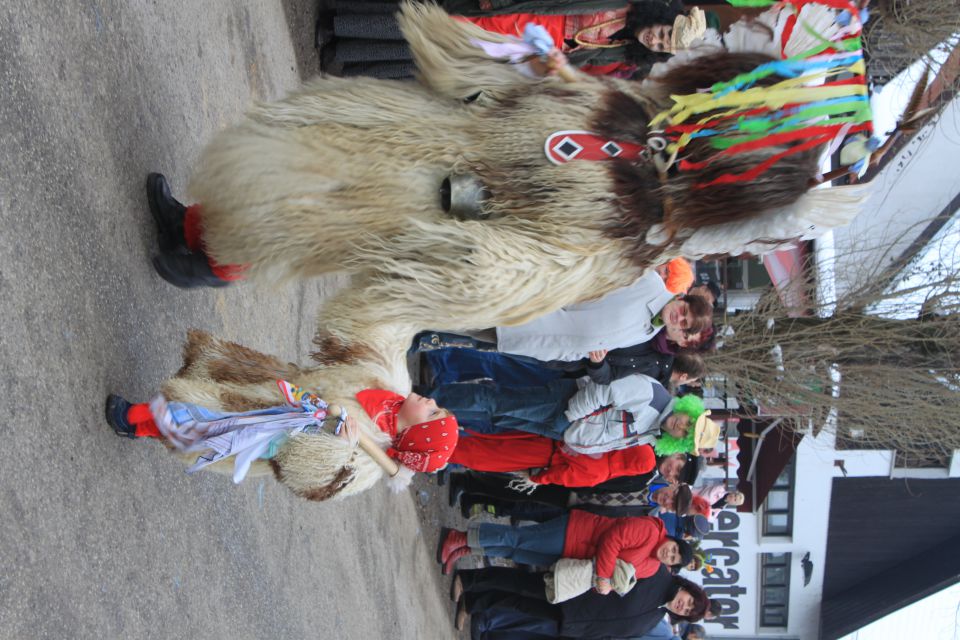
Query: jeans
[[490, 409], [663, 631], [511, 617], [508, 604], [460, 365], [539, 544]]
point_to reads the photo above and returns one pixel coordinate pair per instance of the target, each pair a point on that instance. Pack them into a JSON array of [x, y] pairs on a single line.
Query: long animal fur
[[229, 377], [344, 175]]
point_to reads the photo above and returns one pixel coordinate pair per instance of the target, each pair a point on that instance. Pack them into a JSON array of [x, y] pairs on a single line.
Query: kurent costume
[[225, 402], [346, 174]]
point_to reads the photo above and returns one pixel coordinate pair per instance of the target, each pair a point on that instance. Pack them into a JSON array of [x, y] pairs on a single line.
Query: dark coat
[[620, 363], [623, 484], [593, 616], [640, 358]]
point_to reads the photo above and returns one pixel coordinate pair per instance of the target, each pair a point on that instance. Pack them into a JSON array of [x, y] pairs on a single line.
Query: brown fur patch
[[333, 350], [236, 402], [621, 117], [343, 478], [694, 205], [197, 341], [704, 71], [239, 364], [277, 470], [638, 200]]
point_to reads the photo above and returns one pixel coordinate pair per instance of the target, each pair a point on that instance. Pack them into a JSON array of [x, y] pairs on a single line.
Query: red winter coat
[[633, 540], [522, 451]]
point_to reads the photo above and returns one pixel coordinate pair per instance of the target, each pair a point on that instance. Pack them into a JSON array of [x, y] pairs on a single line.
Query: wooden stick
[[379, 456], [567, 74]]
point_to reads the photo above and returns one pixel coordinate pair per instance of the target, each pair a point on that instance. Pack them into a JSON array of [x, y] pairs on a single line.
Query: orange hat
[[679, 275]]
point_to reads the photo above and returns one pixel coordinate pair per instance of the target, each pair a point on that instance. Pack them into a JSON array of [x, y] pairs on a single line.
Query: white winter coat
[[620, 319]]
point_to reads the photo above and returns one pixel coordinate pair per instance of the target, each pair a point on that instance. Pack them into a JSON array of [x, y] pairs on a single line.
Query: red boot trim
[[228, 272], [193, 237], [142, 420], [193, 228]]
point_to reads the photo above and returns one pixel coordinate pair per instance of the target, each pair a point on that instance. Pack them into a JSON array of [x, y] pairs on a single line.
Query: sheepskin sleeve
[[447, 61]]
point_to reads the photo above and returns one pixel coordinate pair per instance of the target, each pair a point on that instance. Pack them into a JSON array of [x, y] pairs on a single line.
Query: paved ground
[[107, 538]]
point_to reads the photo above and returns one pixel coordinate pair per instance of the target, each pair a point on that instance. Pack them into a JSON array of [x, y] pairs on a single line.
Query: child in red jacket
[[639, 541], [543, 460], [423, 435]]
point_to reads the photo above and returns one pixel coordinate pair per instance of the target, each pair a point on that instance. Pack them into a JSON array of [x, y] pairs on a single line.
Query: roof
[[766, 447], [890, 543]]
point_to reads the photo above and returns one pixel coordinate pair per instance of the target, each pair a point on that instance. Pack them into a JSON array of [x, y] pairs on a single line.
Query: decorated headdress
[[816, 98]]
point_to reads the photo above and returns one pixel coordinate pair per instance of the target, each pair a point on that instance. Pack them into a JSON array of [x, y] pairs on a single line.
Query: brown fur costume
[[345, 174], [226, 376]]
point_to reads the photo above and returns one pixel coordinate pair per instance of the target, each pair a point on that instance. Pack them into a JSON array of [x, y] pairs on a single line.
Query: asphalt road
[[102, 537]]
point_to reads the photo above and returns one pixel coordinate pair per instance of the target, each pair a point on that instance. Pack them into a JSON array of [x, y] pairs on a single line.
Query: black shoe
[[186, 271], [116, 415], [168, 213], [456, 489], [324, 34]]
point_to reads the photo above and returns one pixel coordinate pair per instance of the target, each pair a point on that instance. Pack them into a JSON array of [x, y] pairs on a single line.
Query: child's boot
[[116, 414], [450, 540], [451, 562]]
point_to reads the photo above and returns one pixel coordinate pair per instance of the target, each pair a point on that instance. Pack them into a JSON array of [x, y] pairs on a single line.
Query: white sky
[[934, 618]]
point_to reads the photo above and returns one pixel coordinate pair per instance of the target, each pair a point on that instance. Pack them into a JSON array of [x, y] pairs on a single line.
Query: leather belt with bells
[[563, 146]]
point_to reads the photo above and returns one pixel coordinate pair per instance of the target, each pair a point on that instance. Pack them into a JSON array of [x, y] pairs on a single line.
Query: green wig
[[692, 407]]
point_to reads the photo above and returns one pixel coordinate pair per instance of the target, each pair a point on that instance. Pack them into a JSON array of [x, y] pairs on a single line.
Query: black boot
[[116, 414], [186, 271], [168, 213], [456, 489]]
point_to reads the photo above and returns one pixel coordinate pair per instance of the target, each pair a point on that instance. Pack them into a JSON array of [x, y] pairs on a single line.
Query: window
[[778, 507], [774, 589], [746, 273]]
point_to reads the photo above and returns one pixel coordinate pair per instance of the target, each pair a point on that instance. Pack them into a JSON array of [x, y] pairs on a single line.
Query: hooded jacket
[[625, 413]]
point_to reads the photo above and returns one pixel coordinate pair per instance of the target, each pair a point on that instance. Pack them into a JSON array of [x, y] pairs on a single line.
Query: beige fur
[[226, 376], [345, 175]]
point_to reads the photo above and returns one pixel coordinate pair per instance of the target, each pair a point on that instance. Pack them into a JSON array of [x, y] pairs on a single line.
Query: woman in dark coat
[[505, 603]]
